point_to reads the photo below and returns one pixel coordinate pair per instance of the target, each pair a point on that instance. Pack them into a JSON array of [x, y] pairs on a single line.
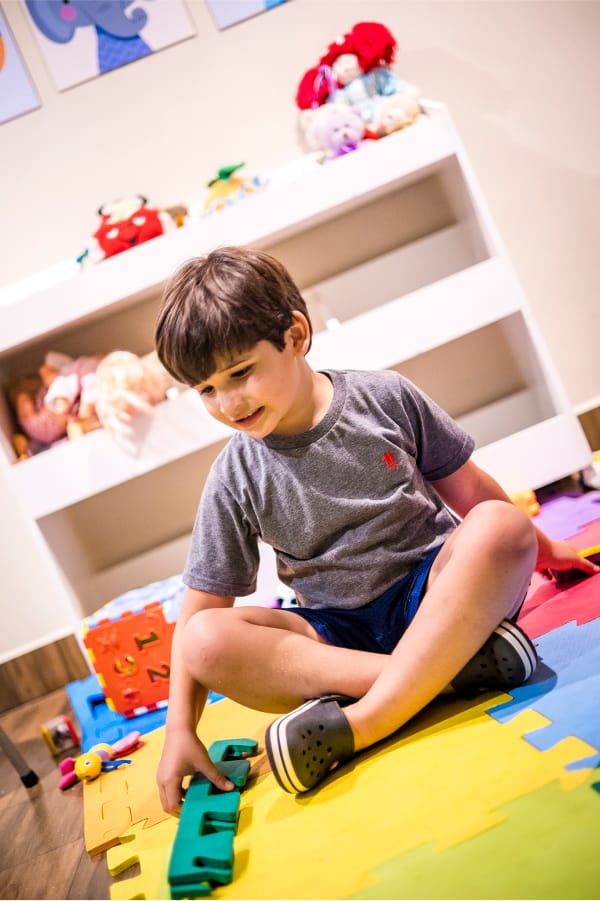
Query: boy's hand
[[562, 556], [183, 755]]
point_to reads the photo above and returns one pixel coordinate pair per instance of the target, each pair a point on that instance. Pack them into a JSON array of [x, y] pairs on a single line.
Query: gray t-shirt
[[346, 506]]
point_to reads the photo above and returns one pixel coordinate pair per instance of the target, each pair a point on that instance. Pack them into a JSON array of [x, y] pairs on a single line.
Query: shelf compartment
[[94, 587], [147, 519], [420, 321], [72, 471], [401, 271], [281, 211], [537, 455]]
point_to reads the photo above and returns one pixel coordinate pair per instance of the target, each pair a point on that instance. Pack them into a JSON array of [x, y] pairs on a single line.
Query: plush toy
[[72, 390], [361, 77], [56, 402], [371, 42], [69, 397], [70, 381], [227, 188], [124, 224], [367, 46], [40, 427], [100, 759], [397, 111], [334, 129], [127, 384]]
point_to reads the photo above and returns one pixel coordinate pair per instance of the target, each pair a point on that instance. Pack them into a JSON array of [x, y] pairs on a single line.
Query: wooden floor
[[42, 854]]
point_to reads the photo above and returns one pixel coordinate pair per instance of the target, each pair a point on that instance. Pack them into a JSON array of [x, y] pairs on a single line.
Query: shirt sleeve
[[442, 446], [223, 557]]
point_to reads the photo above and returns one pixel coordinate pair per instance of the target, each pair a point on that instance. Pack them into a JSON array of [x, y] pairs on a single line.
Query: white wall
[[520, 80], [34, 601]]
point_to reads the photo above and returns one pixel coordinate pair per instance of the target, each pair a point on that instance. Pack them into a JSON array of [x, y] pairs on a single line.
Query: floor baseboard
[[41, 671]]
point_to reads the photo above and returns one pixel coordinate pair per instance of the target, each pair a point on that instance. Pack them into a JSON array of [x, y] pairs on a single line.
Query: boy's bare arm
[[183, 753], [470, 485]]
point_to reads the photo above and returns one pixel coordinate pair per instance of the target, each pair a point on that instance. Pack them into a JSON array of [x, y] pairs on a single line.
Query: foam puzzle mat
[[495, 797]]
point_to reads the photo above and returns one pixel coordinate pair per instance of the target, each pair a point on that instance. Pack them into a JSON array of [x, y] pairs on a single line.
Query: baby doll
[[72, 390], [127, 384], [40, 426], [55, 402]]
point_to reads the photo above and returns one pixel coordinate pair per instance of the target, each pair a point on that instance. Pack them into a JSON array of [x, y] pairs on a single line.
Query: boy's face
[[261, 391]]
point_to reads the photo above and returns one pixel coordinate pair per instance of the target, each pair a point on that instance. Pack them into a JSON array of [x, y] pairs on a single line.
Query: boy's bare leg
[[483, 569], [273, 660]]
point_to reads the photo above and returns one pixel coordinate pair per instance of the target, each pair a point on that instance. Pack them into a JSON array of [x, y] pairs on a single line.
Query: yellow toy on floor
[[526, 501], [99, 759]]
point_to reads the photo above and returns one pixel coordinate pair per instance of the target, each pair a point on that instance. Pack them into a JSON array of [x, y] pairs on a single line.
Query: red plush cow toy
[[126, 223]]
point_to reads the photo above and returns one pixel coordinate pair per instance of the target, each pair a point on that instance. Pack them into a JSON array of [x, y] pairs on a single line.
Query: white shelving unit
[[401, 266]]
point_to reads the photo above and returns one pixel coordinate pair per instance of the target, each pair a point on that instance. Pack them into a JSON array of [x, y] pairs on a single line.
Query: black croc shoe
[[305, 745], [507, 659]]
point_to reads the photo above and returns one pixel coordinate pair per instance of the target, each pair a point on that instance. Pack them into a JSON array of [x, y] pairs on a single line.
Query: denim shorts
[[379, 625]]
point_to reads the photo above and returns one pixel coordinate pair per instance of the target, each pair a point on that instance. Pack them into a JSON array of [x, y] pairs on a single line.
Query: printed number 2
[[156, 674]]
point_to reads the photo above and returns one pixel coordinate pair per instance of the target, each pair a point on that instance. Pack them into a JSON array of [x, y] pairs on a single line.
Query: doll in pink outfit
[[57, 401], [73, 383]]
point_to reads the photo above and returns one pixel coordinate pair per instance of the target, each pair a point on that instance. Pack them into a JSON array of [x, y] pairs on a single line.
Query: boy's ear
[[300, 332]]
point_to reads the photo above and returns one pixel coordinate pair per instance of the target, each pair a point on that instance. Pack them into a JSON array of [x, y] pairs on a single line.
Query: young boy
[[350, 476]]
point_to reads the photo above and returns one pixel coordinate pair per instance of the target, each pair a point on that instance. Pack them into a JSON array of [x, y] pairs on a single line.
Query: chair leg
[[28, 777]]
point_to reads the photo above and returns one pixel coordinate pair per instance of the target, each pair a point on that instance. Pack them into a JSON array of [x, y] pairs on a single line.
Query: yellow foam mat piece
[[117, 799], [150, 849], [440, 780], [546, 848]]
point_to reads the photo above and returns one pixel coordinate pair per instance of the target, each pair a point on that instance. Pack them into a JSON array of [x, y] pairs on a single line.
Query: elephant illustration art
[[119, 40]]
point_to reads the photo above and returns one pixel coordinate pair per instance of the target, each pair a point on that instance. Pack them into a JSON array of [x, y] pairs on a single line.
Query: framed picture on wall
[[230, 12], [17, 94], [81, 39]]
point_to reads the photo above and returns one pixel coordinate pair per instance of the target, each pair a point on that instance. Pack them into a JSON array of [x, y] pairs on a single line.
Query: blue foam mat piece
[[99, 723], [565, 689]]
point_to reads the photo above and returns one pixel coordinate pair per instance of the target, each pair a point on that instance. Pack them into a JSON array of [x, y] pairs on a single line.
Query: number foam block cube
[[129, 644]]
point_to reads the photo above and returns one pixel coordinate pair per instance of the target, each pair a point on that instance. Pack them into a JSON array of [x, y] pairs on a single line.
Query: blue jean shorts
[[379, 625]]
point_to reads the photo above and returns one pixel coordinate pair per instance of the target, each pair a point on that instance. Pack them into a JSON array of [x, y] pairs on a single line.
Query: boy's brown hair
[[220, 304]]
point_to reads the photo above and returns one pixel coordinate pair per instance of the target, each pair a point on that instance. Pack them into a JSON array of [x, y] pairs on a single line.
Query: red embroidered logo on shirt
[[390, 460]]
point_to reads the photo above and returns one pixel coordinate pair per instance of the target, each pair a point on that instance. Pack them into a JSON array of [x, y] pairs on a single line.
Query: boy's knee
[[204, 641], [506, 527]]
